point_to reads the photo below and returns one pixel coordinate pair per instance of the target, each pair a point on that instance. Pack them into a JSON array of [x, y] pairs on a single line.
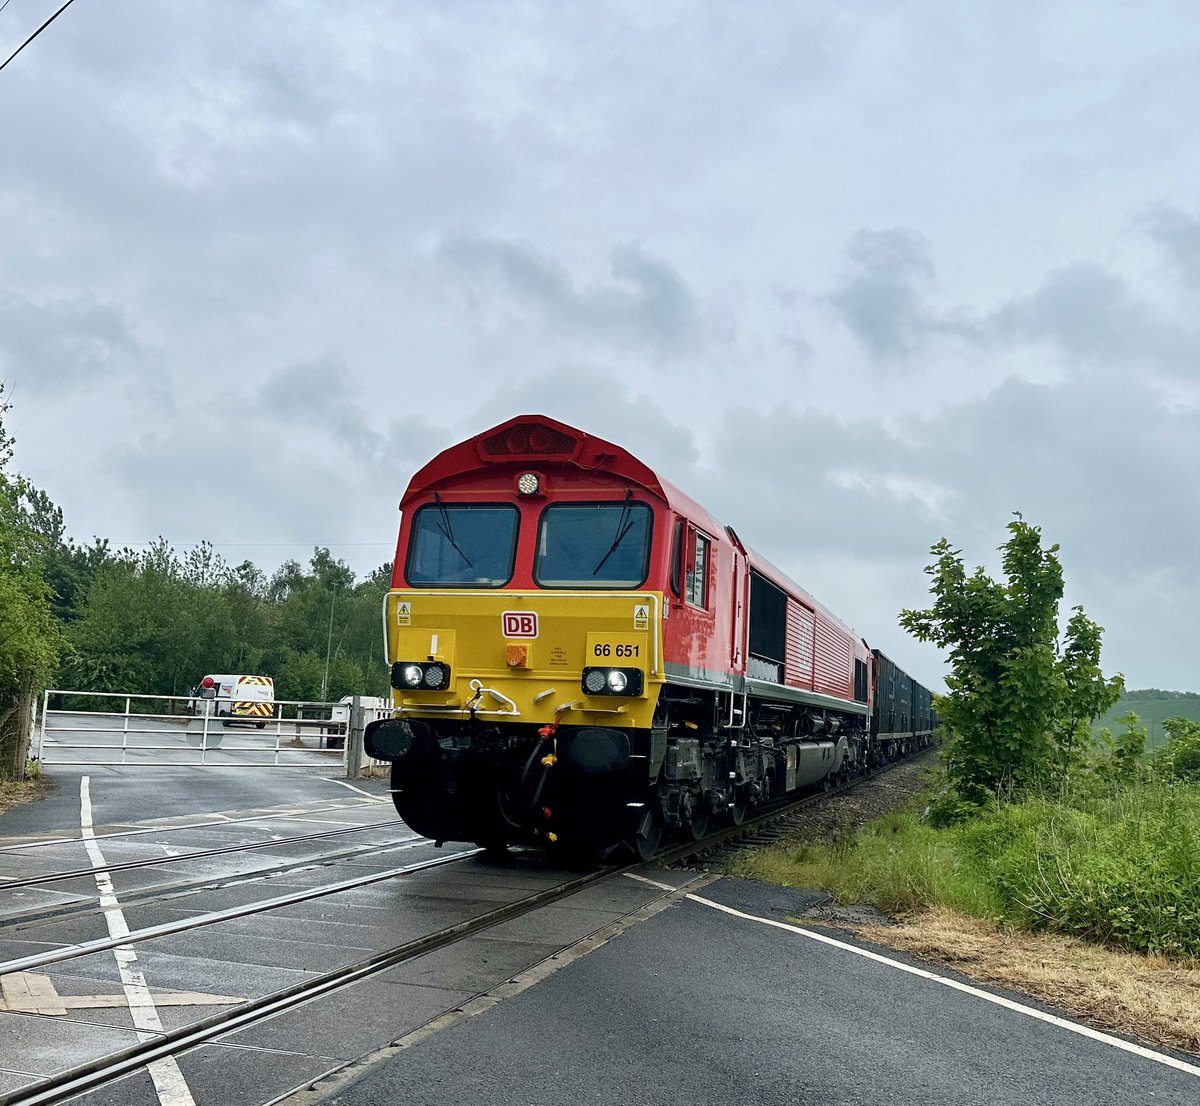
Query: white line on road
[[975, 992], [652, 882], [373, 798], [168, 1080]]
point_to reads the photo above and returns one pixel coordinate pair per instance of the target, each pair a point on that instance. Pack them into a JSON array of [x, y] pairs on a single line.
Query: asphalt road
[[688, 1006], [696, 1006]]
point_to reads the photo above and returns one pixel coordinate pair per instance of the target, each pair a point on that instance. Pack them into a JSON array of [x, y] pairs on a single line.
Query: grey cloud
[[1091, 315], [646, 303], [1083, 310], [321, 400], [206, 481], [62, 343], [882, 300], [885, 300], [809, 480], [1105, 472], [1179, 236]]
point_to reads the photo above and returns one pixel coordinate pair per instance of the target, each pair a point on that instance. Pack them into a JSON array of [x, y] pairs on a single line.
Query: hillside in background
[[1152, 706]]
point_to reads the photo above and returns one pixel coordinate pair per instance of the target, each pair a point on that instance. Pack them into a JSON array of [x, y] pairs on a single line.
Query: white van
[[235, 698]]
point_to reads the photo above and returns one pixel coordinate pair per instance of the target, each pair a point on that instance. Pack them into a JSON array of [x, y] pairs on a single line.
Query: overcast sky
[[856, 275]]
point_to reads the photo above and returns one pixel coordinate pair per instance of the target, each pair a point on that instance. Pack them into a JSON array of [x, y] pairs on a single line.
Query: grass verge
[[1154, 998], [1119, 866], [15, 792], [1089, 900]]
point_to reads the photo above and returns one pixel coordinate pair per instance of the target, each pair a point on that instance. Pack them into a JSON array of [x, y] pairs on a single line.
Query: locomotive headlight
[[420, 676], [594, 681], [613, 681], [528, 483]]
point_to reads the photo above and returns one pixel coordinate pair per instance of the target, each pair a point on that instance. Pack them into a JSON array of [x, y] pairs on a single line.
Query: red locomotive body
[[582, 654]]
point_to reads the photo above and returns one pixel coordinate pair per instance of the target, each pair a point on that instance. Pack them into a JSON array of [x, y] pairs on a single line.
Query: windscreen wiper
[[444, 527], [624, 525]]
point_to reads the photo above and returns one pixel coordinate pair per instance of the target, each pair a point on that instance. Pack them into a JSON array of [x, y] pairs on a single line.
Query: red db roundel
[[519, 623]]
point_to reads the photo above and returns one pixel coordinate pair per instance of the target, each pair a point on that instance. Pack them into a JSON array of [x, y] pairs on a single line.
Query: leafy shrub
[[1180, 756]]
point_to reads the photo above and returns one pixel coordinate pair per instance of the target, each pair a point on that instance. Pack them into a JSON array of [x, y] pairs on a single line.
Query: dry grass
[[1149, 997], [15, 792]]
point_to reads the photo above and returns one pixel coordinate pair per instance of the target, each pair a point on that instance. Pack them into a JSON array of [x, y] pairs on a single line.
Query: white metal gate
[[107, 728]]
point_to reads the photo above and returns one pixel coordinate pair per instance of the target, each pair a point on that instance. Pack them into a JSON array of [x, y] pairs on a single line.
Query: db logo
[[520, 623]]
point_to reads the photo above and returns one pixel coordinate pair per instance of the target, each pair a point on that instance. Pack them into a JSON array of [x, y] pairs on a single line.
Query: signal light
[[416, 675], [612, 681]]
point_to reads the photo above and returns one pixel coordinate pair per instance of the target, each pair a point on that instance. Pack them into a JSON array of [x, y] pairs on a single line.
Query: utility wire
[[35, 33], [5, 5]]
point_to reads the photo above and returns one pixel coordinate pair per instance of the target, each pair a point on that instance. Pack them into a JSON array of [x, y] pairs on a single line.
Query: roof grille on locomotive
[[528, 440]]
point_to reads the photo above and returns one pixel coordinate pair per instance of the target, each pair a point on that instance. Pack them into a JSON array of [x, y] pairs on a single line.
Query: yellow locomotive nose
[[532, 657]]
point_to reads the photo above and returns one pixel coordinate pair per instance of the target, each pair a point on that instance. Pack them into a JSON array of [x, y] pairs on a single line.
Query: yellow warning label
[[641, 616], [403, 614]]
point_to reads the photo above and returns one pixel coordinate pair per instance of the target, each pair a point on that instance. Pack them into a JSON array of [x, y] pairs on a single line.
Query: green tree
[[1019, 698], [153, 623], [29, 637]]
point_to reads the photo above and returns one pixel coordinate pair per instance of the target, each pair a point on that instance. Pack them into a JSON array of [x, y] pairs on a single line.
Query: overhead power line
[[35, 33]]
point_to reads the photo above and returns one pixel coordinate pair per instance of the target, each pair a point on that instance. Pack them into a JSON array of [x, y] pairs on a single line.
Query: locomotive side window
[[677, 558], [593, 545], [465, 546], [697, 573]]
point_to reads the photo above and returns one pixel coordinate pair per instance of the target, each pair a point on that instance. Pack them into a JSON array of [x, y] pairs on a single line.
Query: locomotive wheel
[[697, 826], [737, 812], [646, 841]]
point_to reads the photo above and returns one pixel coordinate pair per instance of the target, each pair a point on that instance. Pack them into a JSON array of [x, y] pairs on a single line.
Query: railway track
[[98, 1071], [80, 1078]]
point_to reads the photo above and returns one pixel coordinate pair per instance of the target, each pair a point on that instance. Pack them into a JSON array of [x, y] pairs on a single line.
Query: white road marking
[[975, 992], [366, 794], [32, 993], [652, 882], [171, 1087]]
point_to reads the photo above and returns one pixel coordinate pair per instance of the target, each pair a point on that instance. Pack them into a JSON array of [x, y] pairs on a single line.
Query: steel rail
[[164, 892], [94, 1073], [270, 816], [213, 917], [129, 865]]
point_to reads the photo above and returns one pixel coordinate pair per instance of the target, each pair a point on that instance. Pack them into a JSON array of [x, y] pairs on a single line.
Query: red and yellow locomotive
[[582, 655]]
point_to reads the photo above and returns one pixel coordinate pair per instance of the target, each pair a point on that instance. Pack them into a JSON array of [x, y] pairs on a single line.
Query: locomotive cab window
[[463, 546], [593, 545], [696, 584]]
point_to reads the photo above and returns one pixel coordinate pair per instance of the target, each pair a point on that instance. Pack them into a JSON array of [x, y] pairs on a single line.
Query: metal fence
[[108, 728]]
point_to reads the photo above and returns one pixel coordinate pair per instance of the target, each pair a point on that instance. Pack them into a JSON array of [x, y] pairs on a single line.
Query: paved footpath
[[700, 1006]]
